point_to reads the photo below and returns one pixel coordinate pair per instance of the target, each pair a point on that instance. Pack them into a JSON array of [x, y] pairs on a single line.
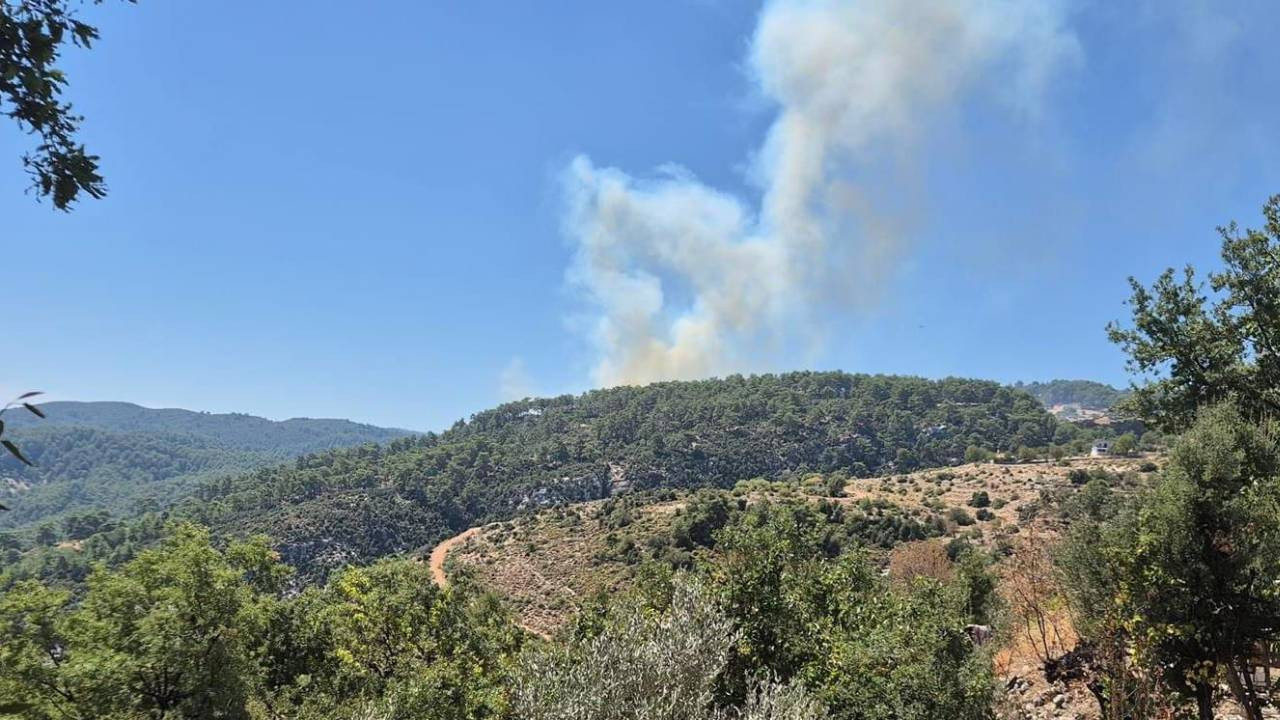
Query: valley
[[595, 268], [556, 508], [96, 462]]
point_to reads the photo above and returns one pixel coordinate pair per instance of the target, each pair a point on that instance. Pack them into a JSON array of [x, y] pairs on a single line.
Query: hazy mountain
[[122, 457]]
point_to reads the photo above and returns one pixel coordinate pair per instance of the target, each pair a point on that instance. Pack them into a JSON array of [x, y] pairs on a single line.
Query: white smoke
[[687, 281], [514, 382]]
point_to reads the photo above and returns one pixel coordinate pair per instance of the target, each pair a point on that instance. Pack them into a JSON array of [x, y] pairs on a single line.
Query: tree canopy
[[126, 459], [1185, 575], [1196, 346], [194, 628]]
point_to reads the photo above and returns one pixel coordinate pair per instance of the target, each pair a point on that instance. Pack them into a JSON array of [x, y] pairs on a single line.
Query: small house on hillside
[[1101, 448]]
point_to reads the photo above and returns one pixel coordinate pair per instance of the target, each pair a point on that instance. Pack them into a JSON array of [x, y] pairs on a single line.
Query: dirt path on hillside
[[441, 552]]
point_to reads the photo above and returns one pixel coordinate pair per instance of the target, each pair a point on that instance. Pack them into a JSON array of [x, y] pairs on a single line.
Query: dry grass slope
[[545, 565]]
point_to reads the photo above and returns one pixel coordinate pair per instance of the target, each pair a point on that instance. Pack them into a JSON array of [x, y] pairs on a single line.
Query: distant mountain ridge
[[235, 430], [117, 456]]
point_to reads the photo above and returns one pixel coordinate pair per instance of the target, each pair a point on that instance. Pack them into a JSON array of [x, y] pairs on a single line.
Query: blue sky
[[315, 212]]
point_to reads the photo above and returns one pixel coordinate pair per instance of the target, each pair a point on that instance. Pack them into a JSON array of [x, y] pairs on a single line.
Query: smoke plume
[[687, 281]]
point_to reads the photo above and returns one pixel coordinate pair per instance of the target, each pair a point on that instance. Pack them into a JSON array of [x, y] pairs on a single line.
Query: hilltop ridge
[[118, 458]]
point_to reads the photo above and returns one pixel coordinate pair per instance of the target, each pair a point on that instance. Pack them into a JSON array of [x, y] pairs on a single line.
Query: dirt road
[[440, 552]]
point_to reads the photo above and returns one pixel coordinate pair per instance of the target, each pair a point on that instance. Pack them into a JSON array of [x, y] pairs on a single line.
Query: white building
[[1101, 448]]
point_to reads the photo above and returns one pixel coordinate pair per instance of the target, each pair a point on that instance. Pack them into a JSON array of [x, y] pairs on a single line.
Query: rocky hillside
[[354, 505]]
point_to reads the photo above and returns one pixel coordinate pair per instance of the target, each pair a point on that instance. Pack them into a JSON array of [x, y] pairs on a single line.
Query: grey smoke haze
[[686, 281]]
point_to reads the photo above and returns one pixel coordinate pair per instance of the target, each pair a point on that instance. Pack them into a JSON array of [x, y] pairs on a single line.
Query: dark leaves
[[8, 445], [1193, 349], [32, 33], [14, 451]]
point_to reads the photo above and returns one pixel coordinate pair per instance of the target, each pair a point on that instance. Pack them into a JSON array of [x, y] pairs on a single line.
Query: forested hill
[[354, 505], [235, 431], [1086, 393], [122, 458]]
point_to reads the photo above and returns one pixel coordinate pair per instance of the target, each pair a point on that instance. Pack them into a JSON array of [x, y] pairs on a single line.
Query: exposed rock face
[[618, 481]]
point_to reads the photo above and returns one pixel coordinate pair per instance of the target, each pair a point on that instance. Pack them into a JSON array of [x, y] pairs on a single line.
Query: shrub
[[1126, 444], [833, 485], [959, 516], [641, 665]]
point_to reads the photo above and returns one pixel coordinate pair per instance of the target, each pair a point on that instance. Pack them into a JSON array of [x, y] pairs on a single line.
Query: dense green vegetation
[[236, 431], [1174, 589], [126, 459], [696, 525], [1183, 577], [1086, 393], [770, 626], [769, 609], [359, 504]]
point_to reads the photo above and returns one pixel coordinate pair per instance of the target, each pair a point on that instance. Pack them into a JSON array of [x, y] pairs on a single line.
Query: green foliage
[[363, 503], [123, 459], [800, 608], [82, 525], [980, 499], [975, 585], [169, 634], [7, 443], [642, 664], [386, 637], [1095, 502], [650, 657], [32, 35], [367, 502], [702, 518], [189, 631], [1079, 476], [768, 625], [1187, 574], [863, 648], [1086, 393], [236, 431], [1199, 350], [1124, 445], [833, 484]]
